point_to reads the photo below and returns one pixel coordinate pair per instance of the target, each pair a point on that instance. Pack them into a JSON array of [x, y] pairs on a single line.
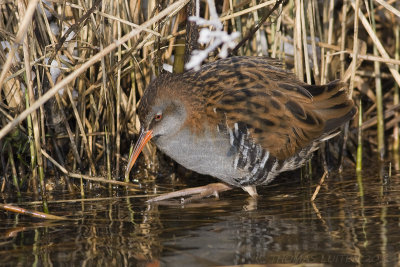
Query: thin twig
[[255, 28], [321, 181], [86, 177], [33, 213]]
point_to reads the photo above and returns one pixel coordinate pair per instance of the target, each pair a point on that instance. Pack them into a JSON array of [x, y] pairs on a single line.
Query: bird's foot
[[195, 192], [251, 189]]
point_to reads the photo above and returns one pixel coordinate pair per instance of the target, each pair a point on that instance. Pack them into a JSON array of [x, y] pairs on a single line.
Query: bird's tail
[[333, 103]]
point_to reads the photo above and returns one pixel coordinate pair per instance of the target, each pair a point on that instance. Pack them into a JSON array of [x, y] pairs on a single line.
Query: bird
[[243, 120]]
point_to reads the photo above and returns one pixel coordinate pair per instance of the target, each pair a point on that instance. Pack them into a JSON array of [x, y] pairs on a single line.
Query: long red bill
[[144, 137]]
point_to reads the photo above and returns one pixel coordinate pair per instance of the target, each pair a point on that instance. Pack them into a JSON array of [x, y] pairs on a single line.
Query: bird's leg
[[196, 192], [251, 189]]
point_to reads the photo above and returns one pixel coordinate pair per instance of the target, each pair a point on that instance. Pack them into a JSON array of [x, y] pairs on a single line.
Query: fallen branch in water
[[36, 214]]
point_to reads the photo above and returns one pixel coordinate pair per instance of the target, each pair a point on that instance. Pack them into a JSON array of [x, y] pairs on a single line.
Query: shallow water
[[355, 221]]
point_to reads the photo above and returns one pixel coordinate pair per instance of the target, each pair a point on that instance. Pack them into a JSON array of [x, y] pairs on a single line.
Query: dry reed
[[73, 72]]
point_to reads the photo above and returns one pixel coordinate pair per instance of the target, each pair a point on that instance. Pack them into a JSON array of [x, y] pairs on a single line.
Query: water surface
[[355, 221]]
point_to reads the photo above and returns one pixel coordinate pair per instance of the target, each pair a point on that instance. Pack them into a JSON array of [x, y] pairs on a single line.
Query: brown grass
[[84, 120]]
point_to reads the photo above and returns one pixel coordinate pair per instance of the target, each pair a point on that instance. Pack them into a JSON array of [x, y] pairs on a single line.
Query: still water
[[355, 221]]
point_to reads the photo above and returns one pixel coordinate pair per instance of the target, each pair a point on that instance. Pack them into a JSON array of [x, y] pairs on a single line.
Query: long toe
[[194, 193]]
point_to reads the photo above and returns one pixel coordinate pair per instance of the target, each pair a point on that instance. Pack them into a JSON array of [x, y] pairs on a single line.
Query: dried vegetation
[[73, 72]]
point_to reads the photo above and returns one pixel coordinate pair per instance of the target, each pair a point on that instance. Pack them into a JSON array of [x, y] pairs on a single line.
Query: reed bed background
[[73, 72]]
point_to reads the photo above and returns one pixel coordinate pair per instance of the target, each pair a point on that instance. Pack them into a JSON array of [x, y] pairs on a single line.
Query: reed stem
[[378, 92]]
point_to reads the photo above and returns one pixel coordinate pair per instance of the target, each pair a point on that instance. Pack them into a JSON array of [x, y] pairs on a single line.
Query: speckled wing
[[281, 113]]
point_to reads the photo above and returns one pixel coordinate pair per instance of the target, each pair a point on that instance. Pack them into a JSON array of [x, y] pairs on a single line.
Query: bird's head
[[162, 113]]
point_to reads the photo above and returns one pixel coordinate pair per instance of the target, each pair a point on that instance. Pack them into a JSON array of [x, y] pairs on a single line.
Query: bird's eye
[[158, 116]]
